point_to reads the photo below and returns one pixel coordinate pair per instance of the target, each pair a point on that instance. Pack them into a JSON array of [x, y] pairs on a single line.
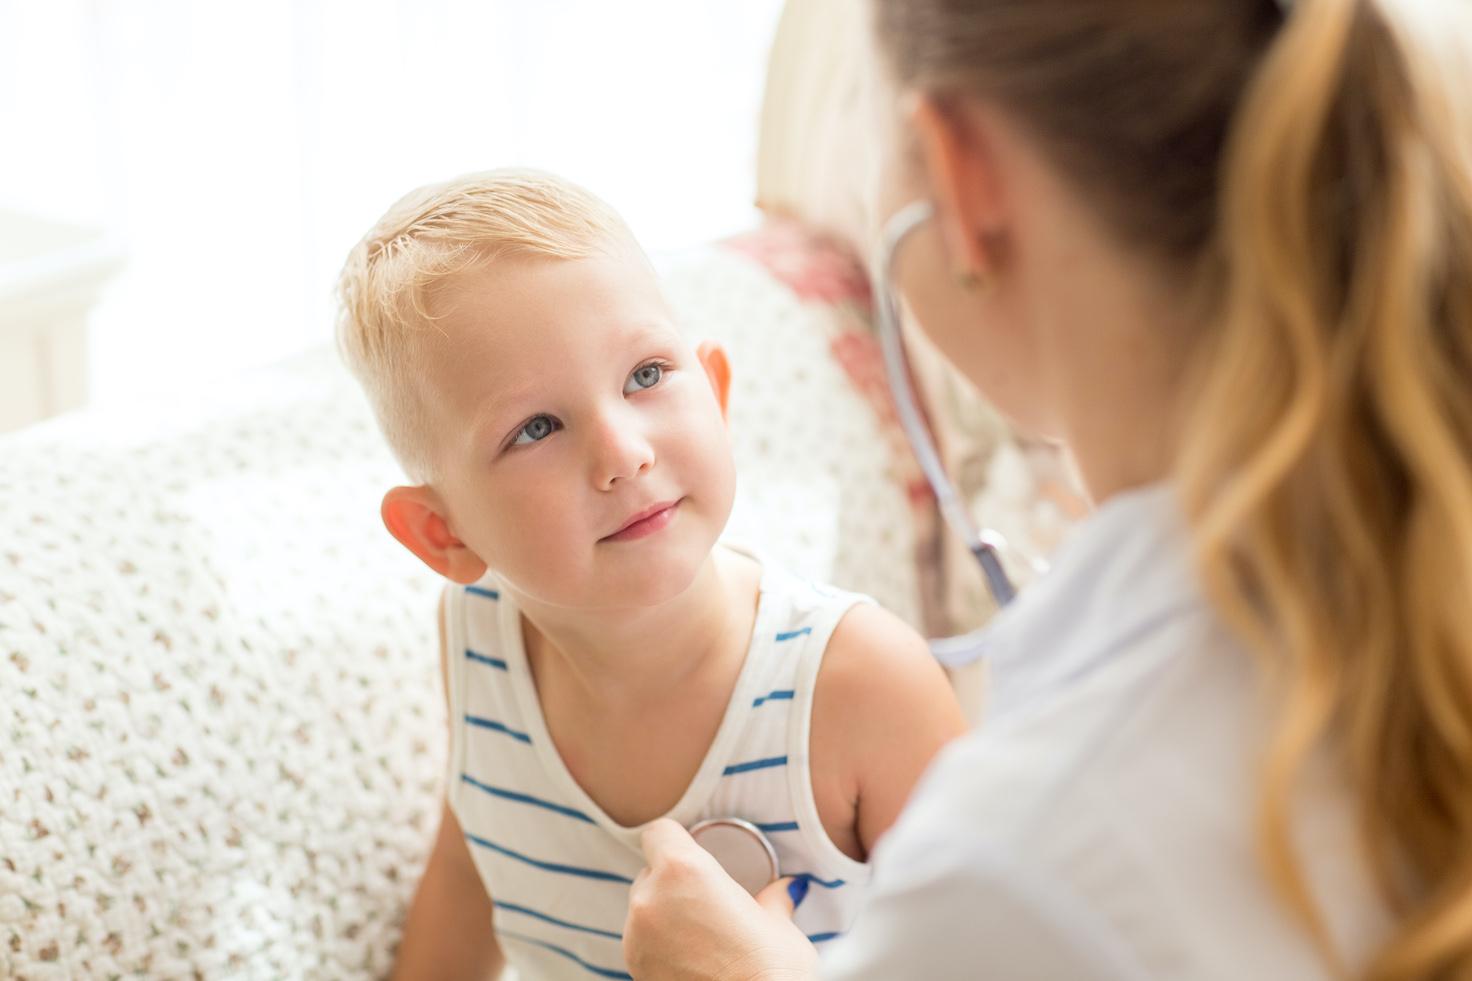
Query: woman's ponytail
[[1327, 463]]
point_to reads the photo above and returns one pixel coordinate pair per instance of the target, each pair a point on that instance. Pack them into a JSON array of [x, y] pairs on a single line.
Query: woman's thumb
[[784, 895]]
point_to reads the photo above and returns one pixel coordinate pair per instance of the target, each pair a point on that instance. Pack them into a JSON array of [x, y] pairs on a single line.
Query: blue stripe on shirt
[[775, 696], [777, 826], [549, 866], [514, 908], [793, 634], [602, 972], [481, 591], [494, 662], [835, 884], [735, 768], [817, 938], [525, 799], [474, 720]]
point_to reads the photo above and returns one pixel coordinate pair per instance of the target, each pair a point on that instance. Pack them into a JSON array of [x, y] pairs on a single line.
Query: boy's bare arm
[[448, 933], [882, 709]]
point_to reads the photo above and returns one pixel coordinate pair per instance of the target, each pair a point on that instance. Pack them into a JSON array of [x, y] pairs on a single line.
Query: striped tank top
[[556, 867]]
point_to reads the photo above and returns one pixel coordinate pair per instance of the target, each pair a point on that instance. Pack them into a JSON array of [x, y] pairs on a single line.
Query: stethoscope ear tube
[[959, 651], [997, 581], [897, 370]]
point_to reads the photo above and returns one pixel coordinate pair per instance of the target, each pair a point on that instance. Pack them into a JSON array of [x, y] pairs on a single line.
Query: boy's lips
[[645, 522]]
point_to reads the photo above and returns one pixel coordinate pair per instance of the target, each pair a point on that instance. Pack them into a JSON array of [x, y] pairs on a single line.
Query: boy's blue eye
[[536, 430], [643, 377]]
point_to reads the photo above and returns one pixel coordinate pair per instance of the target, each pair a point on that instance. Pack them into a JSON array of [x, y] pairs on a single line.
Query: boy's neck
[[641, 656]]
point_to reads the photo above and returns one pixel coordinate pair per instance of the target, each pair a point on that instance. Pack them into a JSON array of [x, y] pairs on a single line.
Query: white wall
[[239, 148]]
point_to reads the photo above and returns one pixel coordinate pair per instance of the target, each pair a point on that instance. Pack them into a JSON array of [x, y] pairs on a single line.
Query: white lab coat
[[1099, 823]]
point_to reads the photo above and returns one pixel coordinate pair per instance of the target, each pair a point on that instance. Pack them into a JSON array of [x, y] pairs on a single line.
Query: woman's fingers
[[672, 855], [688, 920], [664, 840], [783, 896]]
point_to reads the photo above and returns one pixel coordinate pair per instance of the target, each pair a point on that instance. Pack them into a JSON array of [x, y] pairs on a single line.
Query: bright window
[[239, 148]]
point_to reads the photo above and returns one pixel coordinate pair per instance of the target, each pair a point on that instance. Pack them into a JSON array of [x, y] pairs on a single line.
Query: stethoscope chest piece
[[741, 848]]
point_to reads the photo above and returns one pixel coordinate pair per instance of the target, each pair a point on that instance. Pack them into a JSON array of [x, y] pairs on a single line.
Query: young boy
[[606, 661]]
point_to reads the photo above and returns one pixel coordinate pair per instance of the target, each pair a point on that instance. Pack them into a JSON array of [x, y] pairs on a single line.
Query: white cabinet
[[51, 275]]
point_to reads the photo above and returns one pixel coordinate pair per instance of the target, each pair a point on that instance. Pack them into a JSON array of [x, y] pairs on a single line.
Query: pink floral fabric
[[822, 272]]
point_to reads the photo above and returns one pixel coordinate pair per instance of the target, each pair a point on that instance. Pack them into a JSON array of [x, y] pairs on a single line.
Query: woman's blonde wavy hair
[[1311, 173]]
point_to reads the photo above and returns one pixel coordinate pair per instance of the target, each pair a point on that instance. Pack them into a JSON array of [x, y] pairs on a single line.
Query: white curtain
[[237, 149]]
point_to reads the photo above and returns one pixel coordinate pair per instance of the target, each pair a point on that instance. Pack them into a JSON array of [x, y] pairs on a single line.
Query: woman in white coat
[[1223, 250]]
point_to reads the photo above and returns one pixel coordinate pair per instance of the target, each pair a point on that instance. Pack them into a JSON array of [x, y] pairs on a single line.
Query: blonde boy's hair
[[390, 277]]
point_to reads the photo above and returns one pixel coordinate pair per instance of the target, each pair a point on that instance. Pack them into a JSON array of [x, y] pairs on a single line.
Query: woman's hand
[[690, 921]]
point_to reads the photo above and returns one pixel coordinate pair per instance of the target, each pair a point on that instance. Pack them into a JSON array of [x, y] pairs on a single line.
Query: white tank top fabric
[[557, 868]]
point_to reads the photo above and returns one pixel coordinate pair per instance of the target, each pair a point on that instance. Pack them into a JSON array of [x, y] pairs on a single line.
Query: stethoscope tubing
[[984, 545]]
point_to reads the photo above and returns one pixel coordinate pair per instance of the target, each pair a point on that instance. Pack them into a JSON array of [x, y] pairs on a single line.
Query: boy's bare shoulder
[[881, 667], [882, 709]]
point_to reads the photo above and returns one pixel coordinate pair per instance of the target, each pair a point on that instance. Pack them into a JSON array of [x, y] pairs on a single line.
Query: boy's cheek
[[704, 436]]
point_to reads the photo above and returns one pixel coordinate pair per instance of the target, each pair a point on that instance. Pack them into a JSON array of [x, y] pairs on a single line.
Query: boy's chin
[[654, 578]]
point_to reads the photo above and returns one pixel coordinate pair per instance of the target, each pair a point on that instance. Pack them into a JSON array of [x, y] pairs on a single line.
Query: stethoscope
[[740, 846], [985, 544]]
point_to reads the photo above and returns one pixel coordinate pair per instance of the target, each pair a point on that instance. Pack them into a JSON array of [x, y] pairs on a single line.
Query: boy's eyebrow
[[642, 332], [497, 404], [656, 332]]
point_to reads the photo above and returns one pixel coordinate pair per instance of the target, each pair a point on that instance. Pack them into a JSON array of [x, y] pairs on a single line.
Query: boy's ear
[[416, 517], [717, 369]]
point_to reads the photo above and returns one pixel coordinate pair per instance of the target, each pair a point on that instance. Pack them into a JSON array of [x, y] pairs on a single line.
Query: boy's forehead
[[511, 321], [517, 298]]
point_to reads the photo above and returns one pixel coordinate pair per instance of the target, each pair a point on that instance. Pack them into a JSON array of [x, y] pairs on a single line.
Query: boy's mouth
[[646, 522]]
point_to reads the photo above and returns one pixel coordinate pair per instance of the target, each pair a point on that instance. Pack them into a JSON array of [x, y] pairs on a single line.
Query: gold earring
[[973, 281]]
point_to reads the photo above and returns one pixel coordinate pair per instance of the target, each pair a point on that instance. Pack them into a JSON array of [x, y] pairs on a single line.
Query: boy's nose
[[622, 453]]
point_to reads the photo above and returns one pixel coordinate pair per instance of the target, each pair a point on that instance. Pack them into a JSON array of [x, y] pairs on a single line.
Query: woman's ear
[[416, 517], [962, 173], [717, 369]]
